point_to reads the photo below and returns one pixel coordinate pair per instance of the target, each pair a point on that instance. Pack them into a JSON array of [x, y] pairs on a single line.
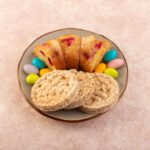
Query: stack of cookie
[[68, 89]]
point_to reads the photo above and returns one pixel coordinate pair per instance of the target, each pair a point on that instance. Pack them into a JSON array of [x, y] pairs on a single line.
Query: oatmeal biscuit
[[105, 95], [86, 82], [55, 90]]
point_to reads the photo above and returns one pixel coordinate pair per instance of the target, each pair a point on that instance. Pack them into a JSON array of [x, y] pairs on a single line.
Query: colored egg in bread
[[38, 63], [116, 63], [112, 72], [110, 55], [32, 78], [30, 69], [100, 68]]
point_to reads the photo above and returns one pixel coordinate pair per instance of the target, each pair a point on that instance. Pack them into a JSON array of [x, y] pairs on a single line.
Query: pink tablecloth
[[127, 125]]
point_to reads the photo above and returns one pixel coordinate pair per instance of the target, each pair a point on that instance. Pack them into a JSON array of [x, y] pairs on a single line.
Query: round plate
[[74, 114]]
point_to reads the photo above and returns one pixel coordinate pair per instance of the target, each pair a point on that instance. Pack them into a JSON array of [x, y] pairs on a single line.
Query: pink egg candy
[[116, 63]]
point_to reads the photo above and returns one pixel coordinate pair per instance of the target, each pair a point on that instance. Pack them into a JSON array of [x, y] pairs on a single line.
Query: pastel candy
[[110, 55], [100, 68], [116, 63], [44, 71], [112, 72], [30, 69], [38, 63], [32, 78]]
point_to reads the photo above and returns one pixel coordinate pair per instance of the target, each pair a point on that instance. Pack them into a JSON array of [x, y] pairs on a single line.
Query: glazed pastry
[[51, 53], [92, 52], [70, 45]]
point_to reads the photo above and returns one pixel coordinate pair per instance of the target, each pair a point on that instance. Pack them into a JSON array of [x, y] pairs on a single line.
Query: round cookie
[[87, 84], [105, 95], [55, 90]]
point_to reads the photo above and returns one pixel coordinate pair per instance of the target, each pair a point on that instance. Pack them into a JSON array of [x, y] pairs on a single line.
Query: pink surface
[[127, 125]]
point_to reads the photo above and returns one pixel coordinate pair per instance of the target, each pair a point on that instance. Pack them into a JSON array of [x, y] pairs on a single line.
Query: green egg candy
[[32, 78], [112, 72]]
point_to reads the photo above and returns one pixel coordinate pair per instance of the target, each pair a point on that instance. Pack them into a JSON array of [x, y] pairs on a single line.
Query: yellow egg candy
[[44, 71], [100, 68], [112, 72], [32, 78]]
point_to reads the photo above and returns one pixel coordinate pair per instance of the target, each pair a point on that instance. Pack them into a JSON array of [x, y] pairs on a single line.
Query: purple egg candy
[[30, 69]]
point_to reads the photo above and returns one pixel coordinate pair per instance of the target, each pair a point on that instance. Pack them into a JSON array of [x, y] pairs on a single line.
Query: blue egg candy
[[38, 63], [110, 55]]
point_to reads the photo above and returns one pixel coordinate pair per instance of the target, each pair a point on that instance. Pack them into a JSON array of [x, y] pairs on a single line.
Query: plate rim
[[64, 120]]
